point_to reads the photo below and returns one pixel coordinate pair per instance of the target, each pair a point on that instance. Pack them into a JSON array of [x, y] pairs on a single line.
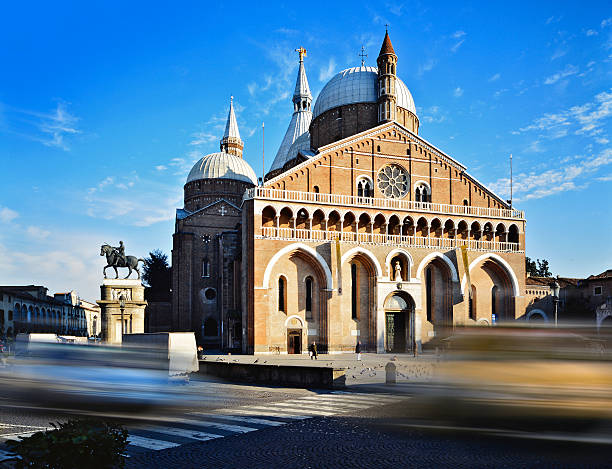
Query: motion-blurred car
[[88, 378], [521, 379]]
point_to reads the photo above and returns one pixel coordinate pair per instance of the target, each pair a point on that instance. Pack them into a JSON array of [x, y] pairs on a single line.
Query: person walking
[[358, 350], [313, 351]]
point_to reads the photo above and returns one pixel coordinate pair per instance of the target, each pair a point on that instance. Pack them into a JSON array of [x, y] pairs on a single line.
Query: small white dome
[[358, 85], [222, 165]]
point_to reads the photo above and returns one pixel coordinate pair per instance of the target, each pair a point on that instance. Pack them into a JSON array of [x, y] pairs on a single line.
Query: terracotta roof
[[603, 275], [386, 48], [546, 281]]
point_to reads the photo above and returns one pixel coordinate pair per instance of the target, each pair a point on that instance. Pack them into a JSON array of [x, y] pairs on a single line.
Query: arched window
[[422, 192], [473, 303], [316, 189], [282, 298], [308, 296], [428, 296], [205, 268], [354, 292], [364, 187], [465, 202], [210, 327], [494, 303]]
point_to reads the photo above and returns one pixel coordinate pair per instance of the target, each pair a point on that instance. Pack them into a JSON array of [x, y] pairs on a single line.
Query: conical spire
[[300, 121], [302, 90], [231, 143], [387, 47]]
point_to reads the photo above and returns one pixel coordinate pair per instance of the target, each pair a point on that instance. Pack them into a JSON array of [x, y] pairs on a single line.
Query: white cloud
[[37, 232], [433, 115], [457, 45], [591, 32], [553, 19], [558, 54], [7, 215], [458, 34], [161, 167], [426, 67], [535, 185], [606, 22], [325, 73], [588, 119], [202, 138], [495, 77], [458, 92], [568, 71]]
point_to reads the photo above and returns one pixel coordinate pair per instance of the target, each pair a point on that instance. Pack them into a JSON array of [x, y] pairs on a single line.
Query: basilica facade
[[361, 231]]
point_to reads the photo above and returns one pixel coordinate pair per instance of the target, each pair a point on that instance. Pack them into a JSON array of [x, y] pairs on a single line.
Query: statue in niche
[[398, 271]]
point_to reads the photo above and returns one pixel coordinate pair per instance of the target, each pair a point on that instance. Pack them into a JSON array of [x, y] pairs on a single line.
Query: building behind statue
[[362, 230]]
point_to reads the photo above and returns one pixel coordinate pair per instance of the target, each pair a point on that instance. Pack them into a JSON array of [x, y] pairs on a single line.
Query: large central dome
[[358, 85], [222, 165]]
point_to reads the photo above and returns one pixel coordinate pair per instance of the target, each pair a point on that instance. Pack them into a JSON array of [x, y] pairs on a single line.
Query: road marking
[[151, 443], [4, 455], [317, 410], [244, 419], [334, 402], [182, 432], [265, 412], [220, 426], [15, 436]]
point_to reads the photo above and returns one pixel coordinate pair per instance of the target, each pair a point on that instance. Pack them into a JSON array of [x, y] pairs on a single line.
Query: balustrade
[[295, 234], [394, 204]]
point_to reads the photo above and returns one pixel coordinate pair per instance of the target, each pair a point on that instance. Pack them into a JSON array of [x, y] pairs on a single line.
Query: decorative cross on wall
[[222, 210]]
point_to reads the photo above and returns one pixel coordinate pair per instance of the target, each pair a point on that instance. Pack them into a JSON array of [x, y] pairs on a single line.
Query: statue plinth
[[112, 292]]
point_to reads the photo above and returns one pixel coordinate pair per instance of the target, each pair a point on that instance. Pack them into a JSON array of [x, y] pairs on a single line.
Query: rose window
[[393, 181]]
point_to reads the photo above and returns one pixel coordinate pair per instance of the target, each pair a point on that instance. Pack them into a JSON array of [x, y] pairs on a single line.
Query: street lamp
[[554, 290], [122, 307]]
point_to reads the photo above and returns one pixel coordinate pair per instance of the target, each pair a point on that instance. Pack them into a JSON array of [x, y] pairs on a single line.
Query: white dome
[[357, 85], [222, 165]]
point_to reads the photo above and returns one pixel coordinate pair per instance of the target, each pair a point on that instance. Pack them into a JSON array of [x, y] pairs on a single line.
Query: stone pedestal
[[132, 292]]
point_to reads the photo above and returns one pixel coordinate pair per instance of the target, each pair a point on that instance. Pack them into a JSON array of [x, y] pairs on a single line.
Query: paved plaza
[[369, 370]]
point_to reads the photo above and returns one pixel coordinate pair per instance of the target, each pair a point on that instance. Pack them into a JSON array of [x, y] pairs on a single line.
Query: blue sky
[[104, 107]]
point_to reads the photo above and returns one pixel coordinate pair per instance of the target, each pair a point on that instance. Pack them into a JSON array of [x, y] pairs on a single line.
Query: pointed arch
[[304, 249], [429, 257], [403, 252], [358, 250], [502, 262]]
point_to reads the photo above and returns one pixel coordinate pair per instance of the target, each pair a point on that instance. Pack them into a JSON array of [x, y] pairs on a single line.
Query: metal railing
[[431, 242], [393, 204]]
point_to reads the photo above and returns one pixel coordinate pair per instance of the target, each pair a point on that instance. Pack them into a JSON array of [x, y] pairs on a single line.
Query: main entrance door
[[294, 341], [399, 323]]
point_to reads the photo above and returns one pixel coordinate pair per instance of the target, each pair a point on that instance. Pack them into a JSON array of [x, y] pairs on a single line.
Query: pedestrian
[[200, 352], [358, 350], [313, 349]]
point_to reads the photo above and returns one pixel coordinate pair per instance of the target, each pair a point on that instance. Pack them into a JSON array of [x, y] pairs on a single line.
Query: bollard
[[390, 370]]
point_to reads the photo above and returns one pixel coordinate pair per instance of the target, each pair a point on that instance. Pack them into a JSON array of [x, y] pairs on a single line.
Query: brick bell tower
[[387, 98]]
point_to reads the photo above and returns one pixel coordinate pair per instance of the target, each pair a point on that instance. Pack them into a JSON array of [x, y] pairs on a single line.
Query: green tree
[[530, 267], [537, 268], [157, 276]]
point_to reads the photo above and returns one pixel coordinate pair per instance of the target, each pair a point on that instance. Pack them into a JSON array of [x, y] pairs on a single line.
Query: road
[[247, 426]]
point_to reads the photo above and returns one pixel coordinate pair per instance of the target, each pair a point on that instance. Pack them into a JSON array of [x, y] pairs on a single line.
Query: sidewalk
[[369, 370]]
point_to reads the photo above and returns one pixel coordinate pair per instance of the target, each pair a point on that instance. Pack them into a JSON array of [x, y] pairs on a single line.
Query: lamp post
[[122, 308], [554, 290]]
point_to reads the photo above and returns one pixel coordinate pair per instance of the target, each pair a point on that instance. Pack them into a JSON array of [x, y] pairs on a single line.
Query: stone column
[[132, 292]]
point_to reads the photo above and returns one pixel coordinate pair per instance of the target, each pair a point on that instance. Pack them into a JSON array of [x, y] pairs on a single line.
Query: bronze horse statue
[[114, 260]]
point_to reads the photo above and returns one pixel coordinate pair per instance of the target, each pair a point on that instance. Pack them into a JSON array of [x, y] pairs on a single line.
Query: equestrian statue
[[115, 257]]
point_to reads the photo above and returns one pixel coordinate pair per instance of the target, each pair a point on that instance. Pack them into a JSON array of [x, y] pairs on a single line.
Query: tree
[[530, 267], [157, 276], [537, 268]]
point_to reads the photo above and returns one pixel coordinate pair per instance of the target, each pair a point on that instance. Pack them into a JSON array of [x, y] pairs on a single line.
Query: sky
[[105, 107]]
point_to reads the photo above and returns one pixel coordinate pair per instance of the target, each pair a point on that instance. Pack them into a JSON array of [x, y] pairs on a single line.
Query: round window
[[393, 181], [210, 294]]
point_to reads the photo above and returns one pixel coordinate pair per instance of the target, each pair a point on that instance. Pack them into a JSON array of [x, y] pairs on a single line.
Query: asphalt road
[[373, 438], [235, 426]]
